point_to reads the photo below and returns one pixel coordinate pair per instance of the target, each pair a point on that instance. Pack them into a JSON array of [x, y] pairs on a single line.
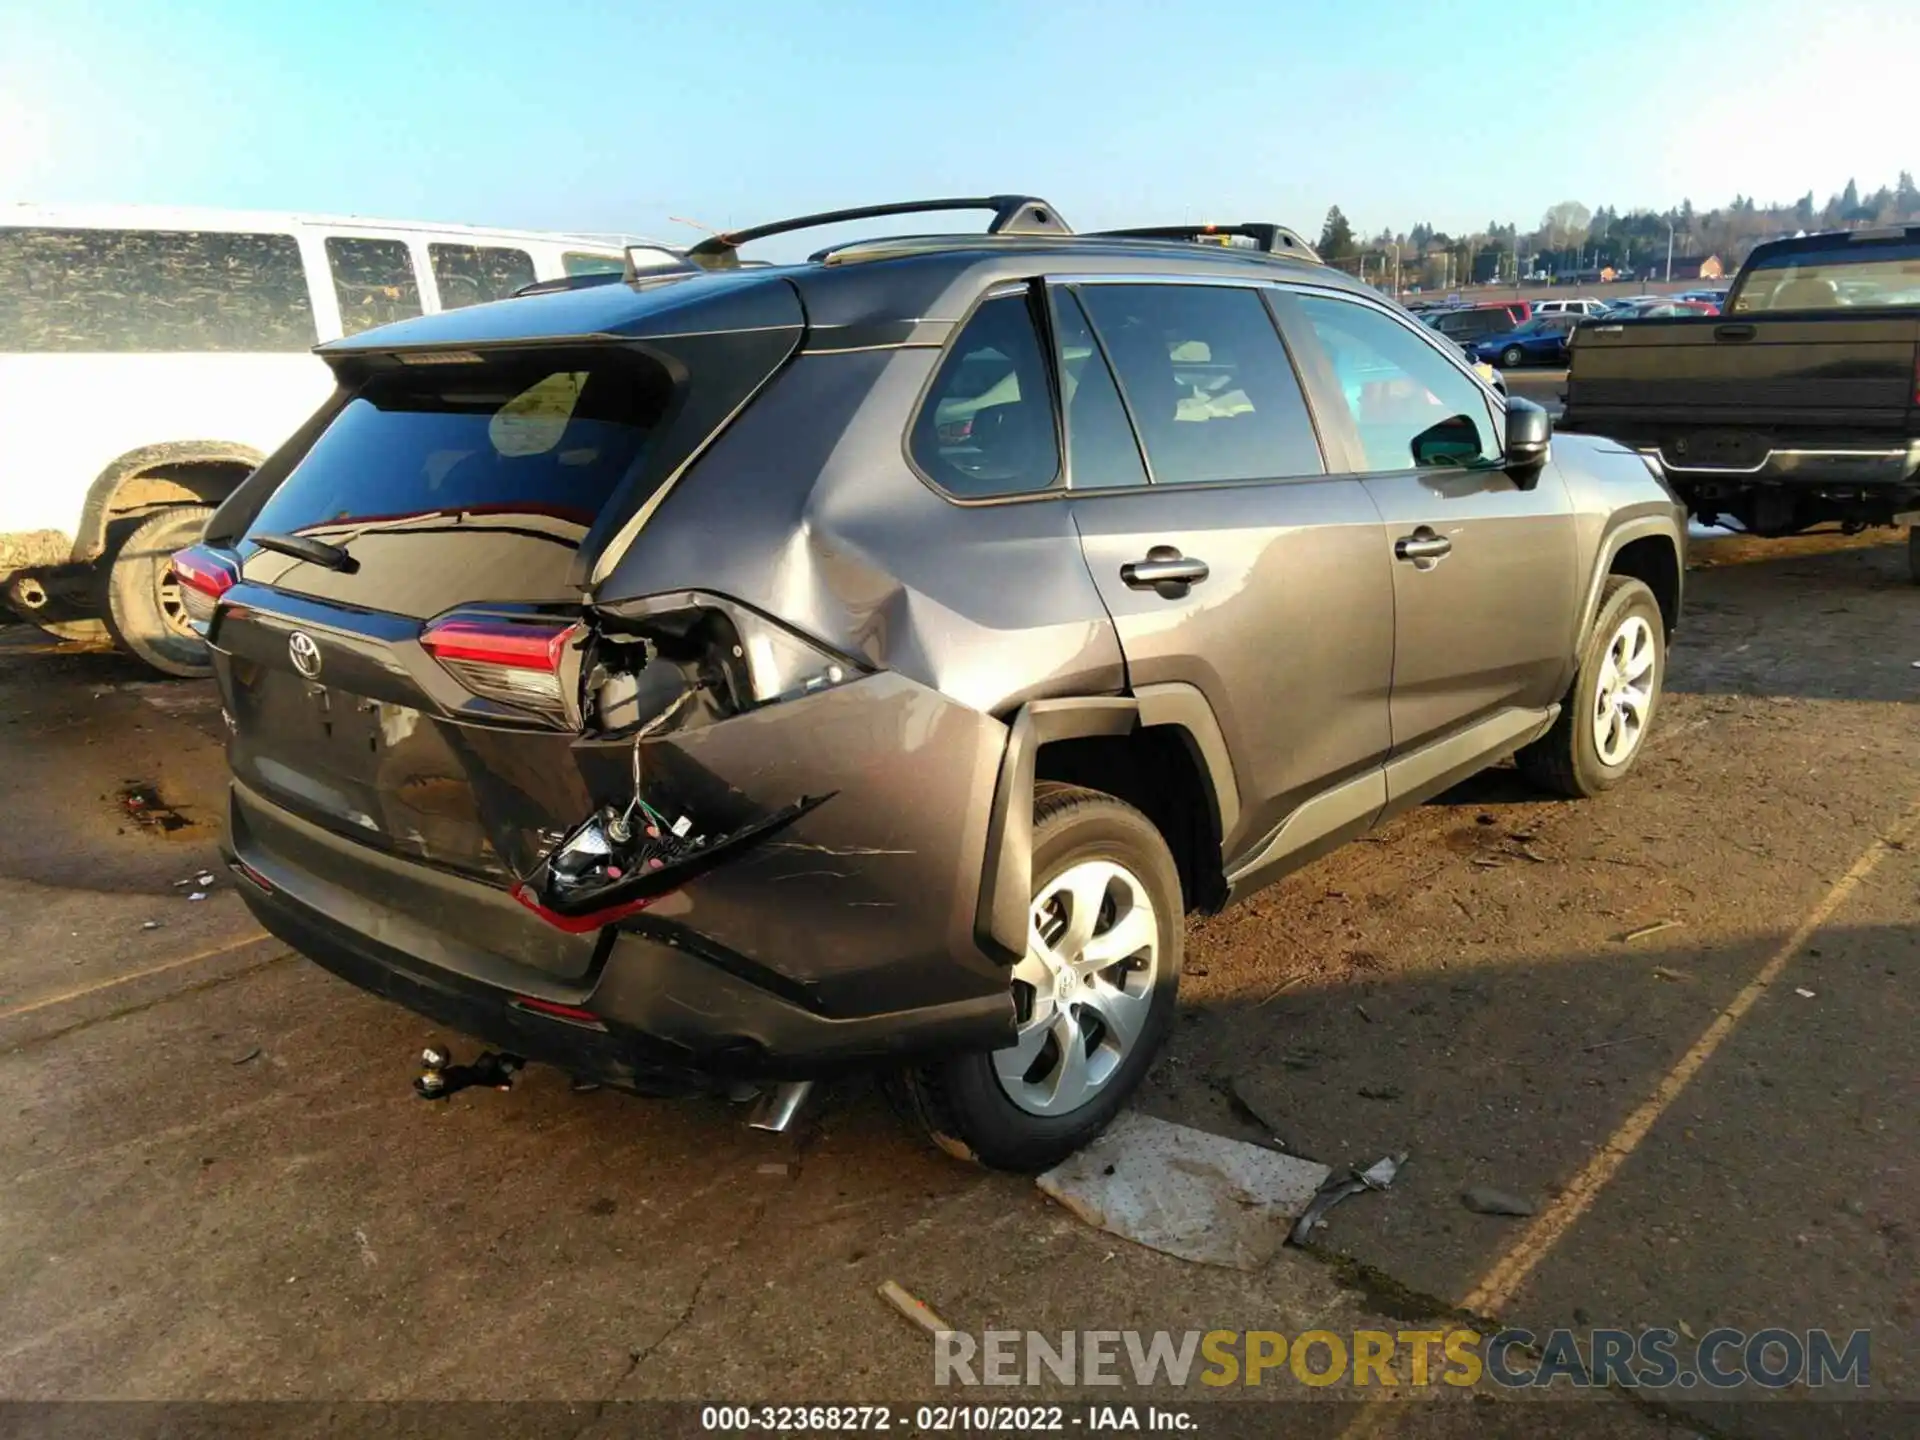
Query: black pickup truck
[[1798, 406]]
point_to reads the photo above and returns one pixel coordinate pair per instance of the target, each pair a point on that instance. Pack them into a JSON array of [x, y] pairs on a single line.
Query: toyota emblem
[[305, 653]]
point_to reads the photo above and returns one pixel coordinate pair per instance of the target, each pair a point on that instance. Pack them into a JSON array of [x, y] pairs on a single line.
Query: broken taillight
[[515, 662], [205, 574]]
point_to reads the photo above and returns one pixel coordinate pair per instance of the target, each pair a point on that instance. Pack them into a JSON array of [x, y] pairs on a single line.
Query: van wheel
[[1093, 997], [144, 609], [1605, 716]]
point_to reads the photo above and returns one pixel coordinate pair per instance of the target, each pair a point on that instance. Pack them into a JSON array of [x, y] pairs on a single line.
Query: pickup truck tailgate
[[1818, 371]]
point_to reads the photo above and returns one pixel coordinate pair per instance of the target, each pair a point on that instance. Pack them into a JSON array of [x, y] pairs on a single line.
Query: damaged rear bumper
[[843, 937]]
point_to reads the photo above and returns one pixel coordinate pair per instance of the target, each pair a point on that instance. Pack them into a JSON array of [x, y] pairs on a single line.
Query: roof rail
[[1269, 239], [1012, 215]]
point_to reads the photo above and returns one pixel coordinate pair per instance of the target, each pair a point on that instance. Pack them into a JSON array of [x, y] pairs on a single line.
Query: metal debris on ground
[[1377, 1176], [1803, 992], [1185, 1192], [198, 895], [1487, 1201], [914, 1309], [1654, 929]]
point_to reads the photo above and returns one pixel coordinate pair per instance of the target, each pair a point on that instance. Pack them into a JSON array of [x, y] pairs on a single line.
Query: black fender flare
[[1660, 524], [91, 535], [1006, 881]]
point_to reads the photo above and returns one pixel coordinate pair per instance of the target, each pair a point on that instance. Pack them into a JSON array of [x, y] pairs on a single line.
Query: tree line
[[1572, 239]]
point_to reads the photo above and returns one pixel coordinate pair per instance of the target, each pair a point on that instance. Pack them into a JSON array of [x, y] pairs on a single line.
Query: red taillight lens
[[205, 574], [516, 662], [580, 924]]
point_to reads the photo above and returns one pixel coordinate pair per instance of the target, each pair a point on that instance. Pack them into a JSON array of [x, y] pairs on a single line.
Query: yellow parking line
[[82, 991], [1499, 1285]]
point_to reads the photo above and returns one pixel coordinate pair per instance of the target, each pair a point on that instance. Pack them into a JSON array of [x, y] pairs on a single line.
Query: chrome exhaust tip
[[777, 1107]]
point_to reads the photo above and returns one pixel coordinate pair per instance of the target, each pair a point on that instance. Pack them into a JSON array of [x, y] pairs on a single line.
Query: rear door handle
[[1165, 571], [1425, 547], [1734, 332]]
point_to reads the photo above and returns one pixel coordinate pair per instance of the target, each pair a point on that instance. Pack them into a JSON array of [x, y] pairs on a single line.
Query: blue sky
[[580, 115]]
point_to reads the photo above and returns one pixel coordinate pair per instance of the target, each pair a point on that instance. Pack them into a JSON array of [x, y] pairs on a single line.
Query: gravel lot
[[216, 1184]]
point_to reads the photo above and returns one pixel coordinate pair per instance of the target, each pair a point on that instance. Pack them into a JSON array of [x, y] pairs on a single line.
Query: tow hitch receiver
[[439, 1077]]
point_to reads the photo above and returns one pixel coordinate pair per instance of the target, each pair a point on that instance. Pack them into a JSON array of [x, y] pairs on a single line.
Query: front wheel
[[1511, 357], [144, 609], [1605, 716], [1093, 997]]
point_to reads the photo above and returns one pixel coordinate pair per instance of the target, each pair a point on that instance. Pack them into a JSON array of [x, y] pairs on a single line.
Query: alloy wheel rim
[[1623, 693], [173, 608], [1083, 990]]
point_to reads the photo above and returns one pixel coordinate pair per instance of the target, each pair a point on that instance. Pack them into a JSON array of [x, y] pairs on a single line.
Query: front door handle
[[1425, 547], [1165, 571]]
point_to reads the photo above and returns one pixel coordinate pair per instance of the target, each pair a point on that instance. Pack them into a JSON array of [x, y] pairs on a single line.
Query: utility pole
[[1669, 252]]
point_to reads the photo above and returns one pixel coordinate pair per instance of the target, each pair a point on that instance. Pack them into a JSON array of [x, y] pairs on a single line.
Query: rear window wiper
[[304, 547]]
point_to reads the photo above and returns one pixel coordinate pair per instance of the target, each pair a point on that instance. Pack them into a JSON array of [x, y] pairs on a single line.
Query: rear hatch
[[414, 685]]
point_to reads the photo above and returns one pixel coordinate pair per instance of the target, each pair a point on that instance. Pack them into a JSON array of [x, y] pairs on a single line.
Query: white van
[[150, 358]]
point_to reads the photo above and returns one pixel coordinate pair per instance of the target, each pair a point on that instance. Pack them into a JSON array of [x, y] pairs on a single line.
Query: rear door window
[[152, 290], [474, 274], [987, 427], [1207, 382], [373, 281], [1408, 404]]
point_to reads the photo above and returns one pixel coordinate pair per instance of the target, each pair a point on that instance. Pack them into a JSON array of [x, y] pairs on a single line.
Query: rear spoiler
[[1267, 238]]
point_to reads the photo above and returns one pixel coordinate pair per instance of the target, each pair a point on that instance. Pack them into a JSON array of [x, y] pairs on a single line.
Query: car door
[[1483, 568], [1227, 556]]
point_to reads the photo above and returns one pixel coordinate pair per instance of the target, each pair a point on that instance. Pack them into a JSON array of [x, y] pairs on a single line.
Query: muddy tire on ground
[[1093, 996], [144, 611]]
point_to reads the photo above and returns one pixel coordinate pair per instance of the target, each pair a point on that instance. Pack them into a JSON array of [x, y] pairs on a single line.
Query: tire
[[1512, 358], [143, 600], [1580, 757], [1913, 553], [986, 1107]]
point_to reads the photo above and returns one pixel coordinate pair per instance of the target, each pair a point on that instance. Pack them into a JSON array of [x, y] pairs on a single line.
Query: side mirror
[[1529, 439]]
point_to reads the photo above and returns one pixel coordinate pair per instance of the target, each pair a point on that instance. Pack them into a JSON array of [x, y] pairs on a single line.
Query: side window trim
[[1072, 291]]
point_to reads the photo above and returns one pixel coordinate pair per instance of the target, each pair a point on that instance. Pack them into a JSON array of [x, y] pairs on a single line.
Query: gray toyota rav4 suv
[[744, 672]]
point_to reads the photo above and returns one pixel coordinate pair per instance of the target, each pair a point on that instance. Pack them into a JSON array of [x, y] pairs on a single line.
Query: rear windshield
[[1847, 275], [147, 290], [547, 442]]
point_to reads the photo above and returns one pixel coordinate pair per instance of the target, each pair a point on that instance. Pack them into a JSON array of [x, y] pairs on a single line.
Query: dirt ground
[[215, 1183]]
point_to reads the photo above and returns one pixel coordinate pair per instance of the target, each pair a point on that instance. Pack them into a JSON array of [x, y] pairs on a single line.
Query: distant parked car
[[1541, 341], [1568, 307], [1655, 307], [1481, 322]]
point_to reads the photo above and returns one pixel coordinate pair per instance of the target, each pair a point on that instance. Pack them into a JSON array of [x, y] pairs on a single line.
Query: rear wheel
[[1093, 996], [1511, 357], [1605, 716], [144, 609]]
